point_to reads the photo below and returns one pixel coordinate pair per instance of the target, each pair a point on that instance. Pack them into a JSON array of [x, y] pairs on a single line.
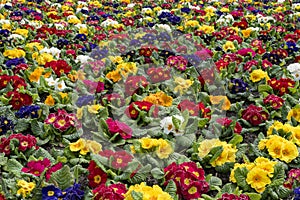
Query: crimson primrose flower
[[115, 126], [59, 67], [133, 113], [281, 86], [18, 99], [274, 101], [227, 196], [133, 83], [177, 62], [254, 115], [120, 159], [190, 106], [158, 74], [36, 168], [96, 175], [111, 192], [25, 142]]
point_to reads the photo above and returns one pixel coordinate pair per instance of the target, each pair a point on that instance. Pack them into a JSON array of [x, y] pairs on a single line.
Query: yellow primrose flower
[[94, 108], [258, 74], [63, 95], [93, 146], [49, 101], [23, 32], [182, 85], [78, 145], [220, 99], [295, 112], [43, 58], [74, 21], [228, 46], [25, 188], [148, 143], [164, 149], [206, 145], [153, 193], [192, 23], [114, 75], [83, 31], [224, 9], [207, 29], [36, 74], [159, 98], [14, 53], [6, 26], [31, 46], [250, 17], [79, 113], [246, 33], [258, 179], [116, 59]]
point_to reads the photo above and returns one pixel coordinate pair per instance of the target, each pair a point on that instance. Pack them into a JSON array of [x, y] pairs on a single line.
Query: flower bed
[[149, 100]]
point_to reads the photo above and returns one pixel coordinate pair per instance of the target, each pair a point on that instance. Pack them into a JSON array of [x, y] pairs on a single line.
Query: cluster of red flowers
[[115, 126], [226, 122], [195, 108], [96, 175], [15, 81], [132, 84], [18, 99], [59, 67], [112, 192], [25, 142], [158, 74], [189, 179], [37, 167], [133, 112], [61, 120], [254, 115], [281, 86], [147, 50], [293, 178], [227, 196], [177, 62], [120, 159], [274, 101], [207, 76]]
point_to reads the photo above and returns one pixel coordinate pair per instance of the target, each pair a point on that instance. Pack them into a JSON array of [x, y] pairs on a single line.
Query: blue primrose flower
[[73, 192], [5, 125], [174, 19], [51, 193], [28, 111], [297, 193], [84, 100], [186, 10], [98, 53], [4, 32], [238, 85], [81, 37], [14, 62]]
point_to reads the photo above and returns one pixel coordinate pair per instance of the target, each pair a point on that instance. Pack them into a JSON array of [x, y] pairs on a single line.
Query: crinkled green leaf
[[63, 178]]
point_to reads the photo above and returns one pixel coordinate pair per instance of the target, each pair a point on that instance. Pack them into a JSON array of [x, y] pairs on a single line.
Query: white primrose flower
[[131, 5], [168, 125], [50, 81], [16, 36], [83, 59], [161, 11], [295, 70], [53, 51], [60, 85], [109, 22], [165, 27]]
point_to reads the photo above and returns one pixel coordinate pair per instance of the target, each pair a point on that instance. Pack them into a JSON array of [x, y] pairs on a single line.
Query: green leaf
[[240, 175], [254, 196], [63, 178], [14, 166], [157, 173], [3, 159], [171, 189], [236, 140], [215, 181], [136, 195], [228, 188], [100, 161], [42, 153], [36, 128], [283, 192], [265, 88], [22, 125], [216, 152]]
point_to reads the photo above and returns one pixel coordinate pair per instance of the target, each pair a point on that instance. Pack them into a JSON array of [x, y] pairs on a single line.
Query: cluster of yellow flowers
[[93, 109], [25, 187], [14, 53], [42, 58], [227, 155], [279, 147], [159, 98], [295, 131], [221, 99], [295, 112], [123, 69], [153, 193], [259, 174], [228, 46], [258, 75], [162, 147], [85, 146], [182, 85]]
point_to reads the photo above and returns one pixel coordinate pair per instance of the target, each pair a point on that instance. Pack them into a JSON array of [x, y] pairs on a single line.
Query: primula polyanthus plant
[[127, 99]]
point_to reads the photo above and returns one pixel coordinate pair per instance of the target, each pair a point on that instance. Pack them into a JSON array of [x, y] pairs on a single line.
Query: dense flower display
[[167, 99]]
